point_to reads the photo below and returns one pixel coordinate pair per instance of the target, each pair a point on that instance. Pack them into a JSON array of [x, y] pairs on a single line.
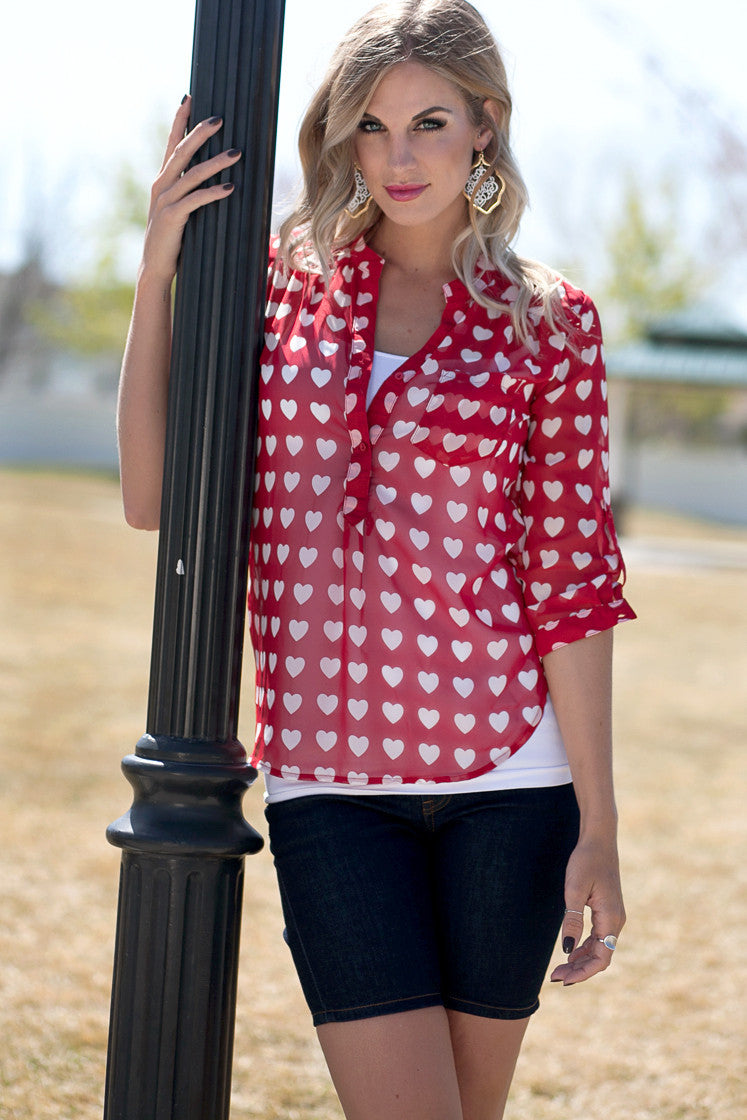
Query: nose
[[401, 154]]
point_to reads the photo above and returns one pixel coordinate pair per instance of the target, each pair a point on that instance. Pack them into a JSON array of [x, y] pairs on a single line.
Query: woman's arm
[[143, 386], [579, 677], [141, 407]]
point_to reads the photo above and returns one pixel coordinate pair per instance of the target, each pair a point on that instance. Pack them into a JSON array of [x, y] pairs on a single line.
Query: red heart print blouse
[[412, 562]]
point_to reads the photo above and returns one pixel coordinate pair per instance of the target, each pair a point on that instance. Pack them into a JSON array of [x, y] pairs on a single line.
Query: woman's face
[[415, 146]]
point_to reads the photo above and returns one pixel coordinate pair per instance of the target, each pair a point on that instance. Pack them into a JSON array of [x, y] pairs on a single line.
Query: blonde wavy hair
[[451, 38]]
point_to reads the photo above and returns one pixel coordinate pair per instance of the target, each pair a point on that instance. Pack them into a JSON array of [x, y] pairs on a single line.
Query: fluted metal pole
[[184, 838]]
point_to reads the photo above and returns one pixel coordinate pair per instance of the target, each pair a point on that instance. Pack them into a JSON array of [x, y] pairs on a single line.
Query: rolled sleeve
[[571, 568]]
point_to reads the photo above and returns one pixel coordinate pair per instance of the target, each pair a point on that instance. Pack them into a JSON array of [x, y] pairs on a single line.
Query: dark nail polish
[[233, 152], [214, 120], [186, 95], [568, 944], [227, 187]]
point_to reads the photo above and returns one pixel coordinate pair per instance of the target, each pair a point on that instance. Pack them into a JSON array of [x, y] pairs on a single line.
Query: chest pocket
[[462, 422]]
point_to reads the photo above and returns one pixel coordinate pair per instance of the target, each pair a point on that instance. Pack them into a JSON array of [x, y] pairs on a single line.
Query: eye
[[370, 126], [431, 124]]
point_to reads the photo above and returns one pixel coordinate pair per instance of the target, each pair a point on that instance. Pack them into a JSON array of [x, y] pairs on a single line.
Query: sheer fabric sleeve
[[571, 567]]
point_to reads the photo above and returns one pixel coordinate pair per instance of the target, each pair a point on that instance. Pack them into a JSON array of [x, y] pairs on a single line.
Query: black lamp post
[[184, 838]]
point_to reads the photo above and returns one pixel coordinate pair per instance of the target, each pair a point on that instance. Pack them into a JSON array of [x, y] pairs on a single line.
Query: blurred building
[[57, 406], [679, 411]]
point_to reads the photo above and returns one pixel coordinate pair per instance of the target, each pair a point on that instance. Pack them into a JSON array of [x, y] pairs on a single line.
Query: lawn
[[660, 1035]]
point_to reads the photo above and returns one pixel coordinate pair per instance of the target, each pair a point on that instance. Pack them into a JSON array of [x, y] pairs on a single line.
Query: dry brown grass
[[661, 1035]]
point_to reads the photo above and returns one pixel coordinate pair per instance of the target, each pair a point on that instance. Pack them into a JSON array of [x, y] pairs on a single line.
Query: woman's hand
[[579, 676], [593, 880], [177, 192]]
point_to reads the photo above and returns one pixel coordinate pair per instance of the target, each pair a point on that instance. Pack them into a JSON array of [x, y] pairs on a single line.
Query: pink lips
[[406, 192]]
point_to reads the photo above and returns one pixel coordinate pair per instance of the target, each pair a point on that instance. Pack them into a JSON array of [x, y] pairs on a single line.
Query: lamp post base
[[177, 942]]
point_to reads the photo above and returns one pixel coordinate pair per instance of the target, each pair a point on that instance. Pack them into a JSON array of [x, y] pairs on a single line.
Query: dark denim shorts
[[402, 901]]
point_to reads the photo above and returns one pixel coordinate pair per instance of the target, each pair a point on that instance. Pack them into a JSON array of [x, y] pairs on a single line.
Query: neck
[[421, 250]]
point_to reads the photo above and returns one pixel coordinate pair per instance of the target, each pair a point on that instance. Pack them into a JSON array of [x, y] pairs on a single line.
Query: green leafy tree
[[649, 271]]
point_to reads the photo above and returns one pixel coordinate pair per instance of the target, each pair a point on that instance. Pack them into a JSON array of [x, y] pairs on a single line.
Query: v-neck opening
[[453, 290]]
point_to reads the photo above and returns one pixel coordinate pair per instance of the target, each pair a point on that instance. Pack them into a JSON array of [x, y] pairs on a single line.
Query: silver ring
[[579, 912], [609, 942]]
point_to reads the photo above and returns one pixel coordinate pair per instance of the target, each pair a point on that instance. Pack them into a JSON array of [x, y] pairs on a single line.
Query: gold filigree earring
[[484, 193], [361, 199]]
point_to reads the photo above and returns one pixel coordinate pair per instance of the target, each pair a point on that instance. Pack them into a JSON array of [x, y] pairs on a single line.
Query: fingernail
[[228, 187], [233, 152], [186, 95], [214, 120], [568, 944]]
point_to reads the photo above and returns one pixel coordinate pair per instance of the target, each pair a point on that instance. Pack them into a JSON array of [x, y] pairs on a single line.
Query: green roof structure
[[699, 346]]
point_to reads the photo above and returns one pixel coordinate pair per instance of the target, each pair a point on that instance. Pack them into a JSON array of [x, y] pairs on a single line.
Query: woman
[[435, 572]]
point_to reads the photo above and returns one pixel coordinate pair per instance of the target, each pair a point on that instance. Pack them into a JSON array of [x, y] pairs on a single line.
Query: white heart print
[[411, 560]]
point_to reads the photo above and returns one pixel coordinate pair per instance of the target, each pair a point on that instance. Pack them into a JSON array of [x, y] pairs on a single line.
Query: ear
[[491, 112]]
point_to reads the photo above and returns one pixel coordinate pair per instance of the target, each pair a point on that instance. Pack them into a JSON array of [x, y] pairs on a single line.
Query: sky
[[600, 90]]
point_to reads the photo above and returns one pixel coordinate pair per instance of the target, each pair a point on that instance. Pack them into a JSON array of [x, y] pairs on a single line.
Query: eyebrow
[[418, 116], [433, 109]]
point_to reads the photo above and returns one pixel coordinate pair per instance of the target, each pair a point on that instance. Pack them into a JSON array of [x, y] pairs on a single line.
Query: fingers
[[201, 172], [183, 144], [587, 958], [592, 956], [181, 150], [179, 186], [584, 962], [573, 925], [178, 128], [572, 930], [177, 201], [179, 189], [592, 880]]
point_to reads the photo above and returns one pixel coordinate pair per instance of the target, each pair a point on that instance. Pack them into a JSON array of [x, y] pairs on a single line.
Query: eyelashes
[[428, 124]]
